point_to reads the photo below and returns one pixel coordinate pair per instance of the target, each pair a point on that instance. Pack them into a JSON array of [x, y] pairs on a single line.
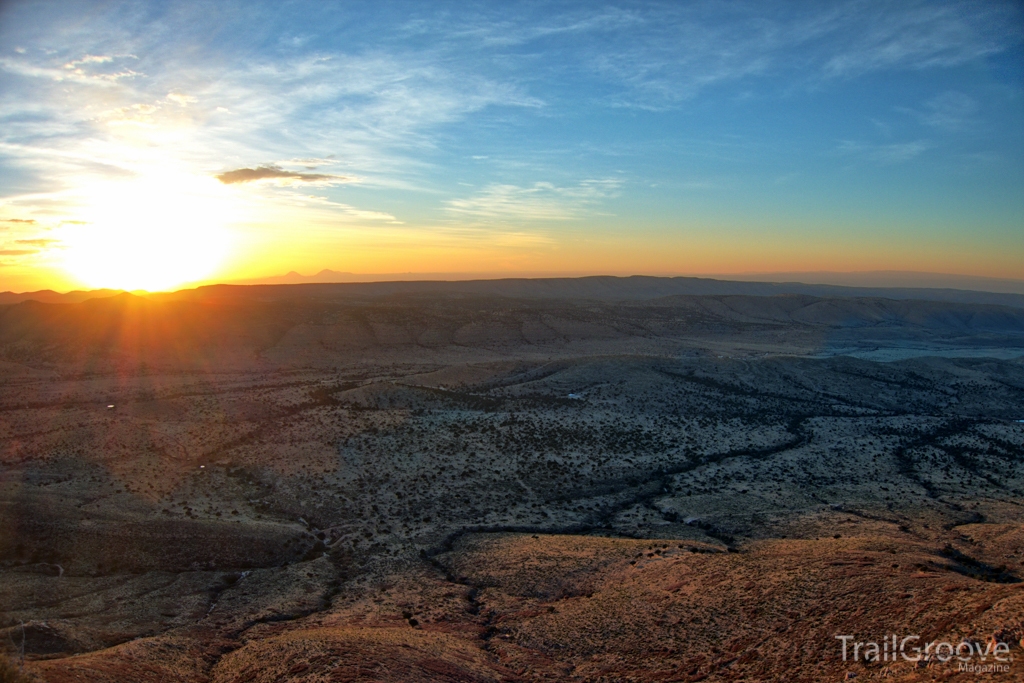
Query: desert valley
[[597, 480]]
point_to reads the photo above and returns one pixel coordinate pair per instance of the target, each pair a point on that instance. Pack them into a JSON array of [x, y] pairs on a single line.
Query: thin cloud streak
[[542, 201], [249, 175], [950, 111], [887, 154], [655, 57]]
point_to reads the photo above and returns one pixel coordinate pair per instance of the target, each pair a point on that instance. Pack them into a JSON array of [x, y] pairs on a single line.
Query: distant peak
[[119, 298]]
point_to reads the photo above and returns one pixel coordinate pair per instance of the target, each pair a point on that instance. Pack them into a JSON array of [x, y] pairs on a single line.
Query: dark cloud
[[248, 175], [18, 220], [17, 252], [41, 242]]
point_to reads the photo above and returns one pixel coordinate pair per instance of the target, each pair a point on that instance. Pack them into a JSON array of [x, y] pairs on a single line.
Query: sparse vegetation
[[352, 475], [11, 672]]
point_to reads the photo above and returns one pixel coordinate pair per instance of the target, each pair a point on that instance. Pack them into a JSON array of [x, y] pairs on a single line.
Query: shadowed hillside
[[283, 327]]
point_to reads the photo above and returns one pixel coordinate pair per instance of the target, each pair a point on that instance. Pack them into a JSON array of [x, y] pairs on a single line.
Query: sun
[[151, 233]]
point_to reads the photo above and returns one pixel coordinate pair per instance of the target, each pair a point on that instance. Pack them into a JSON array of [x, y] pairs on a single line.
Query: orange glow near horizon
[[113, 254], [167, 231], [721, 251]]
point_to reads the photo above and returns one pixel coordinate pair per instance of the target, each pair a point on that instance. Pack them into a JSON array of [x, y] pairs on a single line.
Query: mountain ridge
[[597, 287]]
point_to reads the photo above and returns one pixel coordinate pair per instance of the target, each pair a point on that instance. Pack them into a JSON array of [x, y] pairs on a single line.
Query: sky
[[154, 145]]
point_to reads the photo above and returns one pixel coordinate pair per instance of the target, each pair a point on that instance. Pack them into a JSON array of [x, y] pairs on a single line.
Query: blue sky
[[510, 137]]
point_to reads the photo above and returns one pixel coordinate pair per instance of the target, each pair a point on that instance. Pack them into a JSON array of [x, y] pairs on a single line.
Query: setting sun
[[155, 233]]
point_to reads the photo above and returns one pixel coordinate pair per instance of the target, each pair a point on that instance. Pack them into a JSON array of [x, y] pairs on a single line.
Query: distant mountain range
[[888, 278], [872, 279], [332, 284], [48, 296]]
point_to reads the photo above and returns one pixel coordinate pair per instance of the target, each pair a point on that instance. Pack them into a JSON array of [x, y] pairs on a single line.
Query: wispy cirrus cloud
[[88, 59], [499, 29], [657, 56], [75, 71], [348, 210], [541, 201], [917, 35], [949, 111], [320, 210], [181, 99], [886, 154], [830, 41], [379, 108], [376, 113]]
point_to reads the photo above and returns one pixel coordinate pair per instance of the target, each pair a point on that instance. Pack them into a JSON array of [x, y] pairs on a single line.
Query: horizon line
[[771, 277]]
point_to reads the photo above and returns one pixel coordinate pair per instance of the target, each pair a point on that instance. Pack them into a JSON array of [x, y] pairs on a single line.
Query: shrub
[[9, 672]]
